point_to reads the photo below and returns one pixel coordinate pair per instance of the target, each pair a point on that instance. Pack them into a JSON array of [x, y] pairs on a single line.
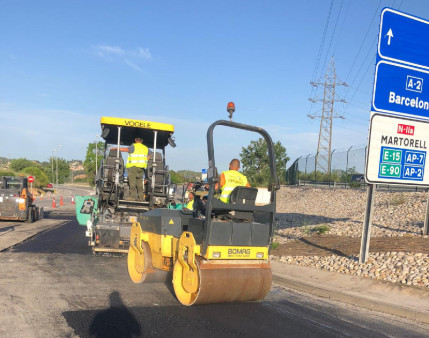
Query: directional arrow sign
[[389, 35], [404, 38], [401, 89]]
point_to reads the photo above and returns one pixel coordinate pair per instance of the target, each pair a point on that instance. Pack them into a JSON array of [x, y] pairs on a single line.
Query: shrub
[[274, 245], [7, 173], [354, 184], [321, 229], [40, 178], [397, 199]]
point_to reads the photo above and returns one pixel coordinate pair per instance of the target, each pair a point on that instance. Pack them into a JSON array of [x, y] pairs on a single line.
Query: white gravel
[[301, 210]]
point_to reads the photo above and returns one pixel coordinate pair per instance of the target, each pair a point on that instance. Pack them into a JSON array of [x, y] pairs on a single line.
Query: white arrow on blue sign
[[404, 38]]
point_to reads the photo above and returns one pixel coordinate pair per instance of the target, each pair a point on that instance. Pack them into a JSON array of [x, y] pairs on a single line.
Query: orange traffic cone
[[41, 197], [54, 205], [61, 201], [72, 200]]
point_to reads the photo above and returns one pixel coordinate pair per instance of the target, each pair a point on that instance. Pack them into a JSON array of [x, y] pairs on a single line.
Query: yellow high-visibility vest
[[138, 158], [190, 205], [232, 179]]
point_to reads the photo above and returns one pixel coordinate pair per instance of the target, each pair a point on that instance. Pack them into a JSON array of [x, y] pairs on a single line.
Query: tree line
[[43, 172]]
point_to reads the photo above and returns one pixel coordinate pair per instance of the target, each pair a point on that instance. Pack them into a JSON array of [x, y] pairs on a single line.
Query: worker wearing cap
[[230, 179], [136, 165]]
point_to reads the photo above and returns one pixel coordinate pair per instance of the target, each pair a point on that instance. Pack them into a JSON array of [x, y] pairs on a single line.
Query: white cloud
[[104, 50], [144, 53], [130, 57], [133, 65]]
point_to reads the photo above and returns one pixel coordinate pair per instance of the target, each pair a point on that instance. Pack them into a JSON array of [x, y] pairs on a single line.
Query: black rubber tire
[[41, 213], [30, 218]]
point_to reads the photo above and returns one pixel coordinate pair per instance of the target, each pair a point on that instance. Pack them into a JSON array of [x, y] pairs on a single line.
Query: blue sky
[[64, 64]]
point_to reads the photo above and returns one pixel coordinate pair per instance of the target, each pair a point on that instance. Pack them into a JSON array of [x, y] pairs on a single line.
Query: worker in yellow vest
[[136, 165], [190, 205], [230, 179]]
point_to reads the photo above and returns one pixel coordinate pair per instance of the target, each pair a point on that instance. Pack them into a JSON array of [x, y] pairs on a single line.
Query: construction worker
[[230, 179], [136, 165], [190, 205]]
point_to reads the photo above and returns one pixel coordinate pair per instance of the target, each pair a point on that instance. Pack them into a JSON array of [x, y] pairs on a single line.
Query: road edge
[[28, 234], [319, 291]]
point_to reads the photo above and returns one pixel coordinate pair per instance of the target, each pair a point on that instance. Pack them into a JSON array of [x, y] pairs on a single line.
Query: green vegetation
[[43, 172], [397, 199], [89, 163], [274, 245], [40, 178], [182, 176], [22, 163], [7, 173], [337, 175], [255, 162], [320, 229], [63, 170]]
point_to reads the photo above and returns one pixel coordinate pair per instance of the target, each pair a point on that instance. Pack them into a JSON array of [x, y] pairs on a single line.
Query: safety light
[[230, 107], [216, 255], [260, 255]]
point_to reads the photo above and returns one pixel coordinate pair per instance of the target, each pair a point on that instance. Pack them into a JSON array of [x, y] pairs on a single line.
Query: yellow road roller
[[217, 252]]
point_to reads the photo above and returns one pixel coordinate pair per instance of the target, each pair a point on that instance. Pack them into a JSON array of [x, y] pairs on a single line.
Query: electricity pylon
[[323, 156]]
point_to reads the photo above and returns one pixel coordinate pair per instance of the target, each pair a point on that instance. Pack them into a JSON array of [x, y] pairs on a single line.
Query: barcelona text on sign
[[406, 101]]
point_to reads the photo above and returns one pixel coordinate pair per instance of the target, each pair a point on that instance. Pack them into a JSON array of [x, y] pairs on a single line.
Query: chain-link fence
[[347, 165]]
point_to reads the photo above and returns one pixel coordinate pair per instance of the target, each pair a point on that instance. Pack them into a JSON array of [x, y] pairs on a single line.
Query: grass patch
[[397, 199], [321, 229], [274, 245]]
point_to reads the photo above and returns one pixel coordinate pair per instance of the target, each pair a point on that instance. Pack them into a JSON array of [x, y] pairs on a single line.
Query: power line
[[342, 25], [363, 77], [319, 54], [363, 41], [332, 37], [322, 43]]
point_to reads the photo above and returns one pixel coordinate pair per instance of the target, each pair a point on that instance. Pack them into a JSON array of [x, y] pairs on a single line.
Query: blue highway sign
[[404, 38], [401, 89]]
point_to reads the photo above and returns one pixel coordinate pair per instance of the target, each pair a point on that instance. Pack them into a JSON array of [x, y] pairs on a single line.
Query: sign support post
[[366, 231], [426, 226]]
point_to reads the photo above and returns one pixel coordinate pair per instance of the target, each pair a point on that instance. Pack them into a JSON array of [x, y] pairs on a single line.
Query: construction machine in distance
[[16, 201], [218, 252], [108, 216]]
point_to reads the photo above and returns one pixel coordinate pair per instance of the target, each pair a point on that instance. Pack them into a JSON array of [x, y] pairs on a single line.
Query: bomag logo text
[[137, 124], [238, 251]]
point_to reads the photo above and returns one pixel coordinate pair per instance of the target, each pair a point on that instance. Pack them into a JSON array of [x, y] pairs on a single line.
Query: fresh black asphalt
[[282, 314]]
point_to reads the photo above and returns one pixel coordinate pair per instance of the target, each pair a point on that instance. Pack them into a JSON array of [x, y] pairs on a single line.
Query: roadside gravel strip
[[12, 233], [303, 212]]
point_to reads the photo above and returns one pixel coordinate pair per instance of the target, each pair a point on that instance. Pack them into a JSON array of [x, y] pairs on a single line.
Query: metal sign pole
[[426, 226], [366, 230]]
